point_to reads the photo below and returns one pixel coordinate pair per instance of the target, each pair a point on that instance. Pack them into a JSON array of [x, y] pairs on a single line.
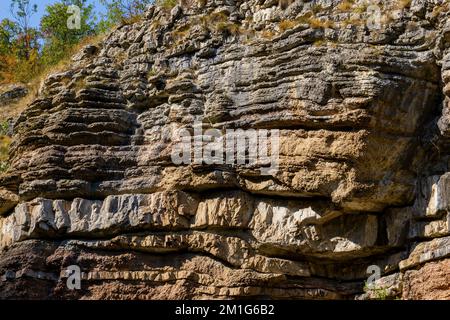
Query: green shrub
[[4, 150], [4, 127]]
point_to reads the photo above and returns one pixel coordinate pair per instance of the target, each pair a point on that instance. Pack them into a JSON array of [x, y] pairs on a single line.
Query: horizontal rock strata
[[362, 178]]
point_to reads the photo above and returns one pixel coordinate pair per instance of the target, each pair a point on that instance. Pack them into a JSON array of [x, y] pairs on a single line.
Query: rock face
[[362, 179], [12, 93]]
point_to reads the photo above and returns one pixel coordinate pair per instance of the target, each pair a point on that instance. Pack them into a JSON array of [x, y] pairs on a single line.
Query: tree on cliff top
[[59, 38], [19, 43], [119, 11], [22, 11]]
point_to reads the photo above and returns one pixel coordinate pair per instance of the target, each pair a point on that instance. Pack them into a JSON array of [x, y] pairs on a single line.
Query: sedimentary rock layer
[[362, 177]]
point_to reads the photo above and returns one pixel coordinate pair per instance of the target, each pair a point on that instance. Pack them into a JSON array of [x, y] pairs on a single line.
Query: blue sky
[[5, 9]]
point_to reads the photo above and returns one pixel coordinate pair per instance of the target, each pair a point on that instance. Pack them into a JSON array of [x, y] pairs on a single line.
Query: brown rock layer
[[362, 176]]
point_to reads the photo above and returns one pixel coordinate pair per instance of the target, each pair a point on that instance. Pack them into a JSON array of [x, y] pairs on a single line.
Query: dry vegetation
[[166, 4]]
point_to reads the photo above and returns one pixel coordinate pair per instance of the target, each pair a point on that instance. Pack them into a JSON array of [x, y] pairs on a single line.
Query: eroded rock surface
[[363, 178], [12, 93]]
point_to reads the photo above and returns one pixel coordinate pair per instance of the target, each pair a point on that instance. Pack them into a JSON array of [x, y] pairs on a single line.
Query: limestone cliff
[[363, 180]]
